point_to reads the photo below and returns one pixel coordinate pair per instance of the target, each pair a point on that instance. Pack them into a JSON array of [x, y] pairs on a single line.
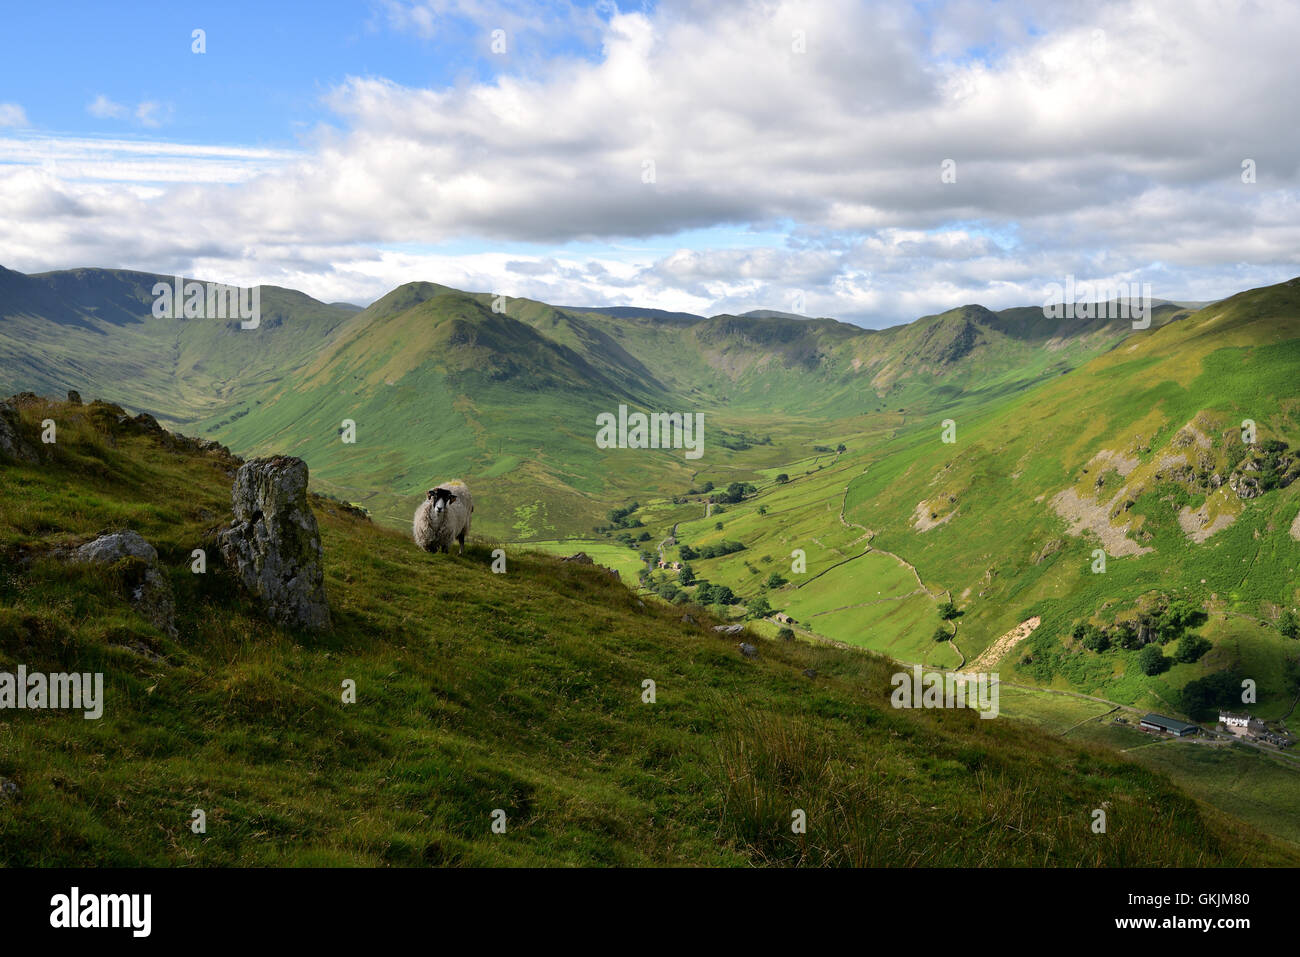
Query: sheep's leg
[[461, 538]]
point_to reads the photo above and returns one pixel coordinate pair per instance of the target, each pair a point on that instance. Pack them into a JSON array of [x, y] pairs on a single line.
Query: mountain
[[480, 694], [441, 382]]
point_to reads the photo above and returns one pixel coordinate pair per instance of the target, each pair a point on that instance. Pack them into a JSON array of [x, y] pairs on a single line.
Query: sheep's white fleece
[[435, 532]]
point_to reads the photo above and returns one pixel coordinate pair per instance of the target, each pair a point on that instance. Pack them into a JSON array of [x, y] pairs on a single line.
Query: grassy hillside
[[479, 691]]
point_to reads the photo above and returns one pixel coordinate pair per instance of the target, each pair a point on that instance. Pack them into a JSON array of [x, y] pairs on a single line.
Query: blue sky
[[686, 155]]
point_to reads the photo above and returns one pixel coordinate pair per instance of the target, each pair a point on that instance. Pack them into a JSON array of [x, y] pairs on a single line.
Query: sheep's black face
[[441, 499]]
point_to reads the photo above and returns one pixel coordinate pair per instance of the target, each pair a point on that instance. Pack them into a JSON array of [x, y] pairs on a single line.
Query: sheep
[[443, 516]]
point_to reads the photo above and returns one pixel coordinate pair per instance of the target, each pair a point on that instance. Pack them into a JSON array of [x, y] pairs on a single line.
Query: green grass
[[479, 691]]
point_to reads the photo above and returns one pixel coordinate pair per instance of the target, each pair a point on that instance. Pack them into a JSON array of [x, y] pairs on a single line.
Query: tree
[[1152, 660], [724, 595], [687, 575], [941, 634], [1094, 639], [758, 607], [840, 448], [687, 553], [1289, 624], [668, 591], [1190, 648], [1203, 696], [948, 611], [1178, 617], [782, 479], [718, 526], [775, 580], [786, 634]]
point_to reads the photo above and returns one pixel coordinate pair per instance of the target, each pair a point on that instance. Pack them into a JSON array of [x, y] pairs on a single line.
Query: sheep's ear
[[431, 492], [450, 499]]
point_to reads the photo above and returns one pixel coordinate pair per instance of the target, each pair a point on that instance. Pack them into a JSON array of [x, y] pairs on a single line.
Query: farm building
[[1159, 724], [1240, 724], [782, 618], [1244, 726]]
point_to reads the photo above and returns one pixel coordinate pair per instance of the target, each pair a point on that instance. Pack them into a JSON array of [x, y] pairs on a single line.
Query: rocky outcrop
[[274, 544], [151, 592], [13, 445]]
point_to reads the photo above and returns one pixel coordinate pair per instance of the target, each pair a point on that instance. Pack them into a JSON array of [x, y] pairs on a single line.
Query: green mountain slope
[[477, 692]]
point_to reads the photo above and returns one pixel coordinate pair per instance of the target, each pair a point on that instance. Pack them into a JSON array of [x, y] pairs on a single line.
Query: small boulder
[[810, 672], [9, 791], [729, 629], [274, 544], [151, 592], [748, 650]]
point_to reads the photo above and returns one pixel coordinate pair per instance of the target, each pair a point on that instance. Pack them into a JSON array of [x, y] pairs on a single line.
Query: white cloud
[[1076, 152], [149, 113], [11, 114], [104, 108]]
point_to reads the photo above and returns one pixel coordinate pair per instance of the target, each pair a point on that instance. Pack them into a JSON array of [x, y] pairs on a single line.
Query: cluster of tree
[[741, 442], [1166, 622], [1202, 697], [1289, 624], [782, 478], [622, 518], [710, 551], [774, 580], [735, 492], [702, 490], [670, 592], [1147, 632], [710, 594], [1152, 659], [627, 538], [948, 611]]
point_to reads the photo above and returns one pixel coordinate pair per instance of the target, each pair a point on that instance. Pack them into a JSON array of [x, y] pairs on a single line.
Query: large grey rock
[[274, 544], [13, 445], [151, 592]]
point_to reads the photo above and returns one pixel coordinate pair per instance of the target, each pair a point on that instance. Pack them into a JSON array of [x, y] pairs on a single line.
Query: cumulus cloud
[[1099, 140]]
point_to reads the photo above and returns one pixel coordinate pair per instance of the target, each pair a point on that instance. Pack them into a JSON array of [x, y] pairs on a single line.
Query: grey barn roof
[[1172, 725]]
